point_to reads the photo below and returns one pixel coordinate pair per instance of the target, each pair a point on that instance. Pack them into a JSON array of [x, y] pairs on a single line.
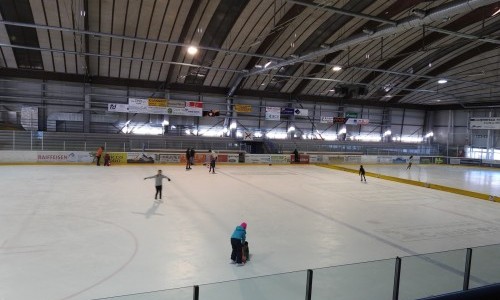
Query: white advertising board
[[64, 157], [257, 158], [485, 123], [273, 113]]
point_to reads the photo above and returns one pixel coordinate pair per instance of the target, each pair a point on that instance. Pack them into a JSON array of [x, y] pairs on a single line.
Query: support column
[[86, 111]]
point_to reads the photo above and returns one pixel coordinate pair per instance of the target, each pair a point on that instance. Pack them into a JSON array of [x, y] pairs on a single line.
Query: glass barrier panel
[[185, 293], [371, 280], [290, 286], [432, 274], [485, 266]]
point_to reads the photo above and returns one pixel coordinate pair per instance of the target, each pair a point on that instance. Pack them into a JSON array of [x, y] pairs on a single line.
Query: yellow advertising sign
[[243, 108], [158, 102], [118, 157]]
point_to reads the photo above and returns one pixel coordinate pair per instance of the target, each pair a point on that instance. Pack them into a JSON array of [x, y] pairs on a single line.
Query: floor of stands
[[83, 232]]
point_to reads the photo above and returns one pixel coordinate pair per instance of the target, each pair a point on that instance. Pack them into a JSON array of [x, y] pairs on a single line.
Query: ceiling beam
[[342, 11]]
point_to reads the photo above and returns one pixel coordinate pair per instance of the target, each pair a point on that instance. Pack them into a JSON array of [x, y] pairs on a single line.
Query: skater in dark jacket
[[107, 160], [362, 173], [188, 159], [237, 242]]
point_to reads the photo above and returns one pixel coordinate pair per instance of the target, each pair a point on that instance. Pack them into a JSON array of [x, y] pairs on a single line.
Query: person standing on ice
[[237, 241], [158, 182], [213, 159], [98, 155], [188, 159]]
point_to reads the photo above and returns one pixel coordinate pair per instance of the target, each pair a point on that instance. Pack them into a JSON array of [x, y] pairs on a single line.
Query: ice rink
[[83, 232]]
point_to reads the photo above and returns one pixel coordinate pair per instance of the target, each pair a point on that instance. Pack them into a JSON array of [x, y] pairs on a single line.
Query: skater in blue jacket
[[237, 242]]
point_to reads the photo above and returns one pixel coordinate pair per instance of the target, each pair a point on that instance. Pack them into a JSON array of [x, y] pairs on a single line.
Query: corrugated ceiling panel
[[66, 16], [93, 18], [130, 30], [52, 14], [157, 26], [8, 54], [105, 43], [176, 15], [244, 32], [201, 20], [119, 20], [146, 31], [43, 35]]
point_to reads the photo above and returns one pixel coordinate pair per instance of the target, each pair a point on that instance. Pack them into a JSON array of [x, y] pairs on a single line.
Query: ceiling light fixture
[[368, 31], [442, 81], [336, 68], [418, 13], [267, 64], [192, 50], [497, 12]]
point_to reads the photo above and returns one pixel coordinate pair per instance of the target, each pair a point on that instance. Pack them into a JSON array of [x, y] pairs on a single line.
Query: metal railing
[[59, 141], [410, 277]]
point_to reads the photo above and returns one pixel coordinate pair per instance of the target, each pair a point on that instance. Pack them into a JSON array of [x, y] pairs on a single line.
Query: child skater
[[213, 159], [107, 160], [237, 242], [158, 182], [362, 173]]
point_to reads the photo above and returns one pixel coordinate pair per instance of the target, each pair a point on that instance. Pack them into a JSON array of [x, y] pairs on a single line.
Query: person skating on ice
[[237, 241], [410, 161], [188, 159], [362, 173], [158, 182]]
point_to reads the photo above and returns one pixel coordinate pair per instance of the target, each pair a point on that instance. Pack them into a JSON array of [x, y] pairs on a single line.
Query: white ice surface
[[83, 232]]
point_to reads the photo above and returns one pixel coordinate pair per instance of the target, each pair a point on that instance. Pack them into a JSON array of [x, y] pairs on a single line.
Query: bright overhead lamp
[[336, 68], [192, 50], [442, 81], [267, 64], [291, 128], [497, 12]]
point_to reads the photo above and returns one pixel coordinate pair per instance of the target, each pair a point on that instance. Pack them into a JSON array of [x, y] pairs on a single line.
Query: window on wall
[[483, 153]]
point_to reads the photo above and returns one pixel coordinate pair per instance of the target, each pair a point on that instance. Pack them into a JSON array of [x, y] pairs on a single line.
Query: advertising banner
[[194, 104], [326, 120], [160, 102], [485, 123], [233, 158], [258, 158], [140, 158], [242, 108], [115, 107], [287, 111], [357, 121], [138, 102], [273, 113], [248, 136], [168, 158], [339, 120], [301, 112], [64, 157], [118, 157], [185, 111], [280, 159], [303, 159], [176, 103]]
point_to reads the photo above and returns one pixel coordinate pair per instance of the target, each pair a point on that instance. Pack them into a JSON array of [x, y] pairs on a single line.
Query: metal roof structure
[[390, 52]]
